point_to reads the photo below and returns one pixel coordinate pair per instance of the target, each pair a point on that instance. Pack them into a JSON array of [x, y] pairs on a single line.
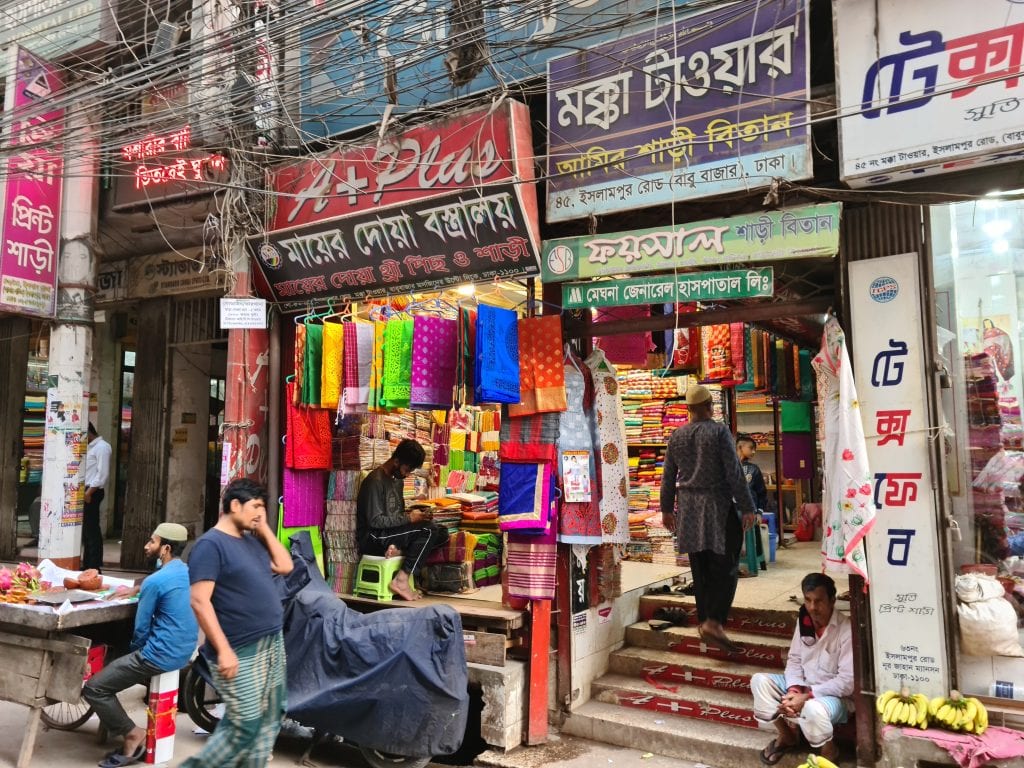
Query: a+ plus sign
[[352, 185]]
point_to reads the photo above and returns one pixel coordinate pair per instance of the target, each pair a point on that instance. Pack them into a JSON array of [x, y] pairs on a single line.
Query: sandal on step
[[774, 752], [678, 617], [658, 625], [119, 759]]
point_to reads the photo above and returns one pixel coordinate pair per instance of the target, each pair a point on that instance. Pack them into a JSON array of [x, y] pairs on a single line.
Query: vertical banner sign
[[906, 597], [64, 447], [31, 181]]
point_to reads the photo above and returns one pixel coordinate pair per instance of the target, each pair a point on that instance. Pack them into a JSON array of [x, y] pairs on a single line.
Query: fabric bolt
[[541, 377], [332, 365], [312, 363], [608, 434], [304, 497], [847, 499], [397, 363], [308, 439], [580, 521], [531, 562], [529, 438], [376, 384], [496, 374], [299, 362], [625, 348], [434, 359], [524, 497]]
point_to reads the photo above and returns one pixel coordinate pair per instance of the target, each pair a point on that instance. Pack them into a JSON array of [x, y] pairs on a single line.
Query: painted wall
[[189, 420]]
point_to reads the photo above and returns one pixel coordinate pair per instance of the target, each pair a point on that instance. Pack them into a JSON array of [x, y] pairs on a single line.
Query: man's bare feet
[[392, 551], [400, 587], [828, 750]]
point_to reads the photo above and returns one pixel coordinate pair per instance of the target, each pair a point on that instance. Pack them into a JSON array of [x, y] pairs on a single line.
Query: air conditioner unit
[[167, 36]]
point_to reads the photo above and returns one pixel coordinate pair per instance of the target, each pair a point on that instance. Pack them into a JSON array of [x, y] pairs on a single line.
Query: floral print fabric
[[608, 432]]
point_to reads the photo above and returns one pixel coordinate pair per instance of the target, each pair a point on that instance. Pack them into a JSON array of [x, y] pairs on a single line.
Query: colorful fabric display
[[358, 367], [312, 362], [466, 374], [716, 349], [434, 357], [496, 374], [397, 363], [308, 439], [377, 366], [299, 361], [624, 348], [532, 561], [529, 438], [304, 497], [332, 365], [524, 497], [607, 432], [541, 381]]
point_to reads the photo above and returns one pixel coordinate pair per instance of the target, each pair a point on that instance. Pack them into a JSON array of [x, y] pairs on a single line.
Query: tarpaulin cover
[[393, 680]]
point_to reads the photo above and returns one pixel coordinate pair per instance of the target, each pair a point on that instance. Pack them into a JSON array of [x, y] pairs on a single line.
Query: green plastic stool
[[755, 562], [374, 574]]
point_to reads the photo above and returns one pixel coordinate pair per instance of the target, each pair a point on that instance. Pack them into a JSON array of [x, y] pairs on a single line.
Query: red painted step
[[679, 700], [751, 620], [757, 650]]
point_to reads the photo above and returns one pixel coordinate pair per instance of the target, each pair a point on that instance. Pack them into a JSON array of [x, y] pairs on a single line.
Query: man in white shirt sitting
[[816, 690], [97, 470]]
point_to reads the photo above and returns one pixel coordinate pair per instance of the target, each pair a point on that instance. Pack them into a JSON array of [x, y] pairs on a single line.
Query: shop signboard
[[165, 166], [809, 232], [751, 283], [927, 88], [56, 28], [907, 602], [701, 106], [403, 55], [166, 274], [458, 152], [31, 187], [479, 234]]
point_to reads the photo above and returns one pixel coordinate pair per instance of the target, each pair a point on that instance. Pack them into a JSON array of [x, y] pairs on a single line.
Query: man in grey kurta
[[703, 480]]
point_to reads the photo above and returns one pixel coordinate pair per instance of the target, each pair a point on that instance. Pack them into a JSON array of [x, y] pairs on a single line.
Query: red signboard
[[467, 150]]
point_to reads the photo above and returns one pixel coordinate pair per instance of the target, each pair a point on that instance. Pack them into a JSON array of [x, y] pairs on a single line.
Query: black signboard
[[429, 244]]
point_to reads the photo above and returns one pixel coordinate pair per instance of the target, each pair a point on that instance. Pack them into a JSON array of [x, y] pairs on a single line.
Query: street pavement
[[80, 749]]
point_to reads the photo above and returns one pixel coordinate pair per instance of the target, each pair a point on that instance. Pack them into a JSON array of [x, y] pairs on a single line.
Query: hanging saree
[[304, 497], [608, 433], [496, 374], [434, 358], [525, 493], [299, 360], [624, 348], [312, 362], [308, 439], [541, 372], [332, 365], [377, 366], [397, 363], [532, 561], [579, 521]]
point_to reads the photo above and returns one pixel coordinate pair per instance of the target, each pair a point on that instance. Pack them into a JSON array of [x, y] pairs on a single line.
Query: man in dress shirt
[[816, 690], [97, 470]]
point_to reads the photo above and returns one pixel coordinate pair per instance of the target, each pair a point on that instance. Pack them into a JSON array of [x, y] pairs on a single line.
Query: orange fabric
[[541, 370]]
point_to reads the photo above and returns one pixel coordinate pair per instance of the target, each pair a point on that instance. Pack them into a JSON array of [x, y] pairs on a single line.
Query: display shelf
[[646, 445]]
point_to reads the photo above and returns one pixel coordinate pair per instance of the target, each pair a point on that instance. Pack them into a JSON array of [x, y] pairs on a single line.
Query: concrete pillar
[[60, 527], [189, 425]]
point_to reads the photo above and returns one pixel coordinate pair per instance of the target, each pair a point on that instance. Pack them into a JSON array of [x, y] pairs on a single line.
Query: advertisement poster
[[576, 475]]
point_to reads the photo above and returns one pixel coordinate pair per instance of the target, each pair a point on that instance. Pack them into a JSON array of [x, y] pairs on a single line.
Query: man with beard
[[165, 637], [385, 528]]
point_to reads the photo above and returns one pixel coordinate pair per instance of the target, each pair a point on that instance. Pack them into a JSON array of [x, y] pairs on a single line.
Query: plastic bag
[[988, 623], [999, 346], [808, 522]]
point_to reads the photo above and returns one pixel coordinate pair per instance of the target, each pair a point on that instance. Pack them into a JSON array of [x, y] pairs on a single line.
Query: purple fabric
[[305, 497], [434, 349], [797, 456]]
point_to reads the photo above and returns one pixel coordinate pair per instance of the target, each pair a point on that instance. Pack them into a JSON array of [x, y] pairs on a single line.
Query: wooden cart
[[44, 660]]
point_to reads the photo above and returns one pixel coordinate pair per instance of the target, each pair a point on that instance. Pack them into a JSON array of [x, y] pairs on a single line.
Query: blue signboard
[[405, 51]]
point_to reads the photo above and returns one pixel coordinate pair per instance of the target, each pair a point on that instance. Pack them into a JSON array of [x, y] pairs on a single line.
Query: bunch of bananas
[[816, 761], [903, 708], [959, 713]]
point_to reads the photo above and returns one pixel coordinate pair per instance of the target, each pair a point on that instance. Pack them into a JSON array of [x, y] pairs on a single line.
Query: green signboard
[[796, 233], [693, 286]]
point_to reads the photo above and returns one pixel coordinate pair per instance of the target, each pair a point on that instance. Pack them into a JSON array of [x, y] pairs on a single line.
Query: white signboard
[[928, 87], [908, 616], [243, 313]]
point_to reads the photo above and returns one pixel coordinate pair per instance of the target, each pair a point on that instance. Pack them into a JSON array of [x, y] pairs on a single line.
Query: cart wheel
[[378, 759], [201, 701], [64, 716]]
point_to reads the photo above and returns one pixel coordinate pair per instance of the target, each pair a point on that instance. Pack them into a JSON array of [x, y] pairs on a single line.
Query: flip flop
[[774, 752], [659, 626], [676, 616], [119, 759]]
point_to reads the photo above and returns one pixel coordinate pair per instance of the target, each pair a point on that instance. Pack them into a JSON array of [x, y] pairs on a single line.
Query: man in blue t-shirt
[[236, 601], [165, 636]]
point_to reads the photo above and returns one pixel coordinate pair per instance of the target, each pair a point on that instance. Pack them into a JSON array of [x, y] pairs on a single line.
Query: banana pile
[[903, 708], [959, 713], [816, 761]]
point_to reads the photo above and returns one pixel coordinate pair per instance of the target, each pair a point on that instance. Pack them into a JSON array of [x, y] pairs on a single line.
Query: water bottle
[[1003, 689]]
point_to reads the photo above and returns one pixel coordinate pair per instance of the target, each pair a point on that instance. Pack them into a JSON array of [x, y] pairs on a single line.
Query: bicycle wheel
[[201, 701], [65, 716]]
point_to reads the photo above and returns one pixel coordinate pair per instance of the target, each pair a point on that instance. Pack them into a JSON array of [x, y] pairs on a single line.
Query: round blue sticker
[[884, 289]]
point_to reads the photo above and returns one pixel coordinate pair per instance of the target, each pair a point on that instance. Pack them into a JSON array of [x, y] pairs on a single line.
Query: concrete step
[[668, 667], [751, 620], [690, 739], [758, 650], [678, 699]]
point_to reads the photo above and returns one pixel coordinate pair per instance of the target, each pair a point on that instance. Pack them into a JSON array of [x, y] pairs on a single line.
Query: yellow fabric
[[332, 365]]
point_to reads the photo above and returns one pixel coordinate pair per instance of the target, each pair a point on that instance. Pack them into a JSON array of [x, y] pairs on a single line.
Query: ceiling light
[[469, 289], [997, 228]]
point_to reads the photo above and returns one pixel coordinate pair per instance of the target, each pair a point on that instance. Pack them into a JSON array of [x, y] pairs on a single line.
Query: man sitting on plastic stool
[[385, 528], [815, 691]]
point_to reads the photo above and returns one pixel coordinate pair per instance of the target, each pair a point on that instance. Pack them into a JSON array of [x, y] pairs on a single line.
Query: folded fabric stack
[[487, 560], [675, 416], [651, 416], [341, 550], [633, 420], [447, 512], [663, 548], [459, 549], [638, 551], [479, 511]]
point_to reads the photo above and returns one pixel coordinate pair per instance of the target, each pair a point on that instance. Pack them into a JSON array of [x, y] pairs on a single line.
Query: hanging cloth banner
[[497, 356], [541, 376], [434, 357]]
